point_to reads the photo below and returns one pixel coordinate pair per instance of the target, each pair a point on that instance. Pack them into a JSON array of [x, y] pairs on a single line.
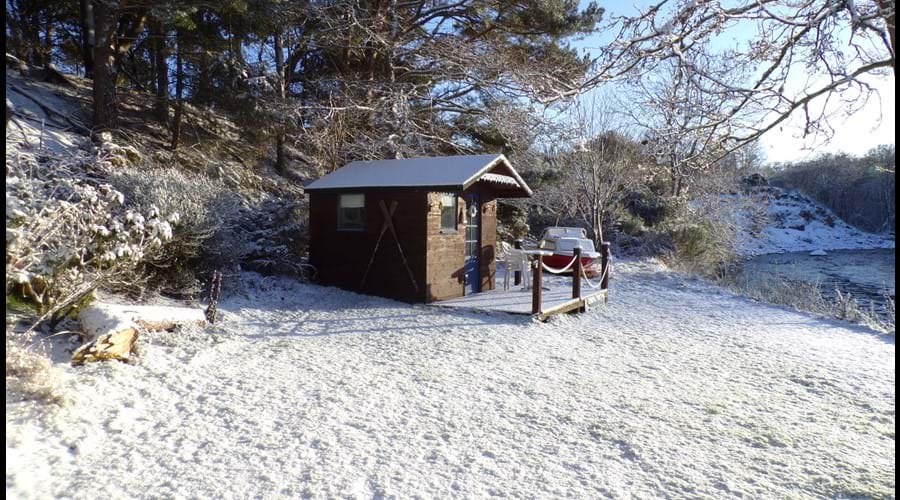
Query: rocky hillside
[[788, 221]]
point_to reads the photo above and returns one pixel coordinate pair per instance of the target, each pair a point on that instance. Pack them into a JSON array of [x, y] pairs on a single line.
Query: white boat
[[563, 241]]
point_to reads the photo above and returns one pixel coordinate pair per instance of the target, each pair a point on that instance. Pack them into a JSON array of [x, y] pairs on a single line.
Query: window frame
[[340, 212], [455, 228]]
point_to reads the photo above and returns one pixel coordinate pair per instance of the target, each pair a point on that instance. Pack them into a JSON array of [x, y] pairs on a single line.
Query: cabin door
[[473, 243]]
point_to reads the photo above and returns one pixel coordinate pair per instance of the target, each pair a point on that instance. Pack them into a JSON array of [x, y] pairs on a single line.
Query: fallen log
[[113, 329], [117, 345]]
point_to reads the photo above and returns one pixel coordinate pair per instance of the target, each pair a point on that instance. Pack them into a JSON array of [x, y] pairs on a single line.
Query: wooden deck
[[557, 298]]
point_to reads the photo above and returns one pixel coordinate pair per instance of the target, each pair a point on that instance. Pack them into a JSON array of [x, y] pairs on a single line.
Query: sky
[[869, 127]]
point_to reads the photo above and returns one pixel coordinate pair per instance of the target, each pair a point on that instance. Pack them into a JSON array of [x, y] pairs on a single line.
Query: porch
[[548, 294]]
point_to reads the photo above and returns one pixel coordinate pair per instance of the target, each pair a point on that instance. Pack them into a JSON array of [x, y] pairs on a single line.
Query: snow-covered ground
[[791, 222], [304, 391], [34, 127]]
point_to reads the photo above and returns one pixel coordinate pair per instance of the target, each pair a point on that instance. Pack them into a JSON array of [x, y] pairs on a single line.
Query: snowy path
[[674, 389]]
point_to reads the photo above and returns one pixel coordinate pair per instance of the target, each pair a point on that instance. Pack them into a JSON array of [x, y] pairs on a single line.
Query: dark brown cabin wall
[[341, 257], [388, 277], [446, 253]]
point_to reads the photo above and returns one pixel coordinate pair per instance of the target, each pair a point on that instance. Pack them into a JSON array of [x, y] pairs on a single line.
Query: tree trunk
[[160, 58], [676, 183], [597, 216], [105, 105], [31, 35], [179, 94], [88, 38], [202, 89], [47, 46], [280, 161], [114, 328], [236, 47]]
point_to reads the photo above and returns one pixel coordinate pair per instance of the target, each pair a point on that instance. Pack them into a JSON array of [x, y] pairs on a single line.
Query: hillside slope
[[236, 211]]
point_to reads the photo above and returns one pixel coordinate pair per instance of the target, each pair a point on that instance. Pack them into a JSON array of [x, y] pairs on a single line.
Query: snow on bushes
[[68, 232], [206, 206], [115, 155], [221, 227]]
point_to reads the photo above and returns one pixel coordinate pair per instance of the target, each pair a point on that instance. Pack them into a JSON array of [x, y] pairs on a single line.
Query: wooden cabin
[[417, 230]]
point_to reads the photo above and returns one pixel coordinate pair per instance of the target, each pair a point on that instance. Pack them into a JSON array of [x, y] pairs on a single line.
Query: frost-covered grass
[[811, 297], [674, 389], [29, 372]]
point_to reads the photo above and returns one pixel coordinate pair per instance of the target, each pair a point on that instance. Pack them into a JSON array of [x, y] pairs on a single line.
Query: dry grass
[[30, 375]]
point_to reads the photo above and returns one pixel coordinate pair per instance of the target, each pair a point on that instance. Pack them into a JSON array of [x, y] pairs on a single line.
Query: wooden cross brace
[[389, 225]]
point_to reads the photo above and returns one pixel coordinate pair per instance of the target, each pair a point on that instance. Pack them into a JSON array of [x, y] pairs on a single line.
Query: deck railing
[[578, 302]]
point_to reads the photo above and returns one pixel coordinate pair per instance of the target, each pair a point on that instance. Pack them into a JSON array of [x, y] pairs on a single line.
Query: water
[[866, 274]]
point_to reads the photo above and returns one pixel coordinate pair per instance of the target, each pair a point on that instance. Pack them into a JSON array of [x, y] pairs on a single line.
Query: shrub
[[699, 248], [703, 234], [207, 209], [226, 224], [275, 234], [691, 240], [68, 233], [651, 208], [650, 244], [631, 224], [512, 222]]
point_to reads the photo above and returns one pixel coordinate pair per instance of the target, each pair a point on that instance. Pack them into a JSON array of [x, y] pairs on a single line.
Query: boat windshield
[[564, 232], [569, 244]]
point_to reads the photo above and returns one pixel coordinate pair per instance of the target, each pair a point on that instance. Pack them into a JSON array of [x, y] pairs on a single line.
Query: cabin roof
[[455, 173]]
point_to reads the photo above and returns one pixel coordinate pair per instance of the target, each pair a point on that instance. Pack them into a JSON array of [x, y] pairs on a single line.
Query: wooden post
[[215, 286], [517, 276], [604, 265], [576, 276], [536, 289]]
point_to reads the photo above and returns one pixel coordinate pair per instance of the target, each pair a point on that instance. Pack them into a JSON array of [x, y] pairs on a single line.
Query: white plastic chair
[[517, 260]]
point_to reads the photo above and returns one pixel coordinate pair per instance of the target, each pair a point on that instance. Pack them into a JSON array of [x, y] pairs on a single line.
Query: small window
[[448, 212], [350, 212]]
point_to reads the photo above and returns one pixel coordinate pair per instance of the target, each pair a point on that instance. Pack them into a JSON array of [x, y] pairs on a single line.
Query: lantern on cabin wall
[[435, 203]]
